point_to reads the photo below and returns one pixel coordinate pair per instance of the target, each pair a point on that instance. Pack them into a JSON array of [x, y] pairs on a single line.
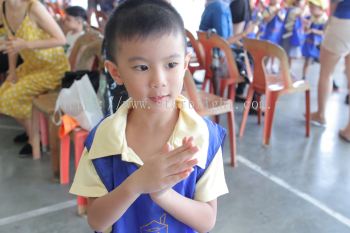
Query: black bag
[[114, 96], [71, 76], [240, 62]]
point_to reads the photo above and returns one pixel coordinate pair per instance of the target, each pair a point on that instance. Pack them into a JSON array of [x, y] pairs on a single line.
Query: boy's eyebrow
[[175, 55], [133, 59]]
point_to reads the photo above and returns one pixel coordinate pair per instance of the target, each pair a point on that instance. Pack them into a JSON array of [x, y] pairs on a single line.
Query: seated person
[[74, 23]]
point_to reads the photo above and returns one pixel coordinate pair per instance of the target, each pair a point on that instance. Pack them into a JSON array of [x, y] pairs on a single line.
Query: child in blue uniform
[[314, 32], [293, 36], [155, 165], [273, 16]]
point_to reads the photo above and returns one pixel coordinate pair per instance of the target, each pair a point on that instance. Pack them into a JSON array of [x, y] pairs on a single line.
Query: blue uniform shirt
[[107, 161], [313, 41], [217, 15], [343, 10]]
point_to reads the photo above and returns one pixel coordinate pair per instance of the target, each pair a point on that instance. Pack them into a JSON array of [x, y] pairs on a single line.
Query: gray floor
[[296, 185]]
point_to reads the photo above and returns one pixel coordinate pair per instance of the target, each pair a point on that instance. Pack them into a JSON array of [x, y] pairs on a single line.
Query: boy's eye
[[172, 64], [141, 67]]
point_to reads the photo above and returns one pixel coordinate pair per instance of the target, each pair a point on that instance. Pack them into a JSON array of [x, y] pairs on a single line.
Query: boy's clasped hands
[[162, 171]]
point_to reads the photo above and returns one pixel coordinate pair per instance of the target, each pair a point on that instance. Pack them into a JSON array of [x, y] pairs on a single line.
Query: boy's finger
[[178, 150], [182, 155], [181, 167], [174, 179]]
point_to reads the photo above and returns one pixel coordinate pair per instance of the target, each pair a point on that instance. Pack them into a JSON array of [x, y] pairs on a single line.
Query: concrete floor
[[296, 185]]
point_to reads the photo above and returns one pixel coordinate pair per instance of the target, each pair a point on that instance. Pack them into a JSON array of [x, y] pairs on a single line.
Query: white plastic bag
[[80, 102]]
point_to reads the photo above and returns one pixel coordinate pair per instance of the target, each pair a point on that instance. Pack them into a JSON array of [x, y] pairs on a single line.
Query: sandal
[[317, 122]]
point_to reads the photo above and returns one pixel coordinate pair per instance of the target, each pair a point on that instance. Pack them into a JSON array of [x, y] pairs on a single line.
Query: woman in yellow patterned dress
[[35, 35]]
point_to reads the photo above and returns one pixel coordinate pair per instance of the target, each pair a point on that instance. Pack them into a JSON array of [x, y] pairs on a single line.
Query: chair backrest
[[211, 41], [90, 35], [197, 47], [90, 57], [191, 91], [262, 50]]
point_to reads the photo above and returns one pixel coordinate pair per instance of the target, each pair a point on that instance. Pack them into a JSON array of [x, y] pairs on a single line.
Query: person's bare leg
[[307, 62], [27, 124], [328, 61], [238, 28], [345, 133]]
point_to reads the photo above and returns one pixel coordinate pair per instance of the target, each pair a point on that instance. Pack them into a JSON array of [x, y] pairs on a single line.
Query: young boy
[[293, 35], [314, 32], [74, 23], [274, 17], [155, 165]]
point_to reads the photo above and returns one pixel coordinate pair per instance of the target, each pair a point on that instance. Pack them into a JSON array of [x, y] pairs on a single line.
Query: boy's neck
[[152, 120]]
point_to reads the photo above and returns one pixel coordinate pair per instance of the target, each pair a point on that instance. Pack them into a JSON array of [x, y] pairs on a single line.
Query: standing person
[[336, 44], [35, 35], [292, 37], [273, 16], [155, 163], [314, 32], [217, 15], [241, 15]]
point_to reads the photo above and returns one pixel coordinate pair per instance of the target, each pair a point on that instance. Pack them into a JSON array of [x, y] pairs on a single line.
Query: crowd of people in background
[[298, 26]]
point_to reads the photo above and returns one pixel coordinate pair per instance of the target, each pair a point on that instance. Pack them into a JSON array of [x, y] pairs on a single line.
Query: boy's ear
[[187, 59], [113, 71]]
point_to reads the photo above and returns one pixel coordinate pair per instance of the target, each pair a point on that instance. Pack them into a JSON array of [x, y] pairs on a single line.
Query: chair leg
[[232, 92], [307, 113], [64, 159], [204, 84], [259, 108], [82, 204], [247, 106], [54, 148], [44, 134], [271, 99], [79, 139], [232, 132]]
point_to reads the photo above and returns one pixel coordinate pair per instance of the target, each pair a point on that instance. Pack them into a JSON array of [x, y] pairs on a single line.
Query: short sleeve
[[86, 181], [212, 184]]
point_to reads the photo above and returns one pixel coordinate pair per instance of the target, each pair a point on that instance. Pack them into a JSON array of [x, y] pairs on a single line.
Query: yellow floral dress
[[41, 71]]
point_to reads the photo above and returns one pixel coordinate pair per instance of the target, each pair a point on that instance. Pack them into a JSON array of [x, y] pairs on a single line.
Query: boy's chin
[[163, 106]]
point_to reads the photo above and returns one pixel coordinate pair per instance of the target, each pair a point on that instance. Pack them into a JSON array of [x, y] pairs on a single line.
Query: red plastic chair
[[79, 136], [210, 41], [272, 85], [207, 104], [197, 59]]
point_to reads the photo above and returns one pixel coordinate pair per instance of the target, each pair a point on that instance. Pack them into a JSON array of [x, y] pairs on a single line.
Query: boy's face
[[152, 69], [315, 10]]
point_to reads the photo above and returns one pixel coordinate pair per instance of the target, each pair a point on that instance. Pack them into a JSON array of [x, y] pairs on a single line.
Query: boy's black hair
[[138, 19], [76, 11]]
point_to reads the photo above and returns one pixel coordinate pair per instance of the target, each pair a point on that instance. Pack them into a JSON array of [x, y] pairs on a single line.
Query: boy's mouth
[[159, 98]]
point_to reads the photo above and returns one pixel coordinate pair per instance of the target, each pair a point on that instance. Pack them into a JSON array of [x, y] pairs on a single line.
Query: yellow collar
[[110, 137]]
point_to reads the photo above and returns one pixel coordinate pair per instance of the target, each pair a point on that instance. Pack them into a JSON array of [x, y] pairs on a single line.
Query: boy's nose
[[158, 79]]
